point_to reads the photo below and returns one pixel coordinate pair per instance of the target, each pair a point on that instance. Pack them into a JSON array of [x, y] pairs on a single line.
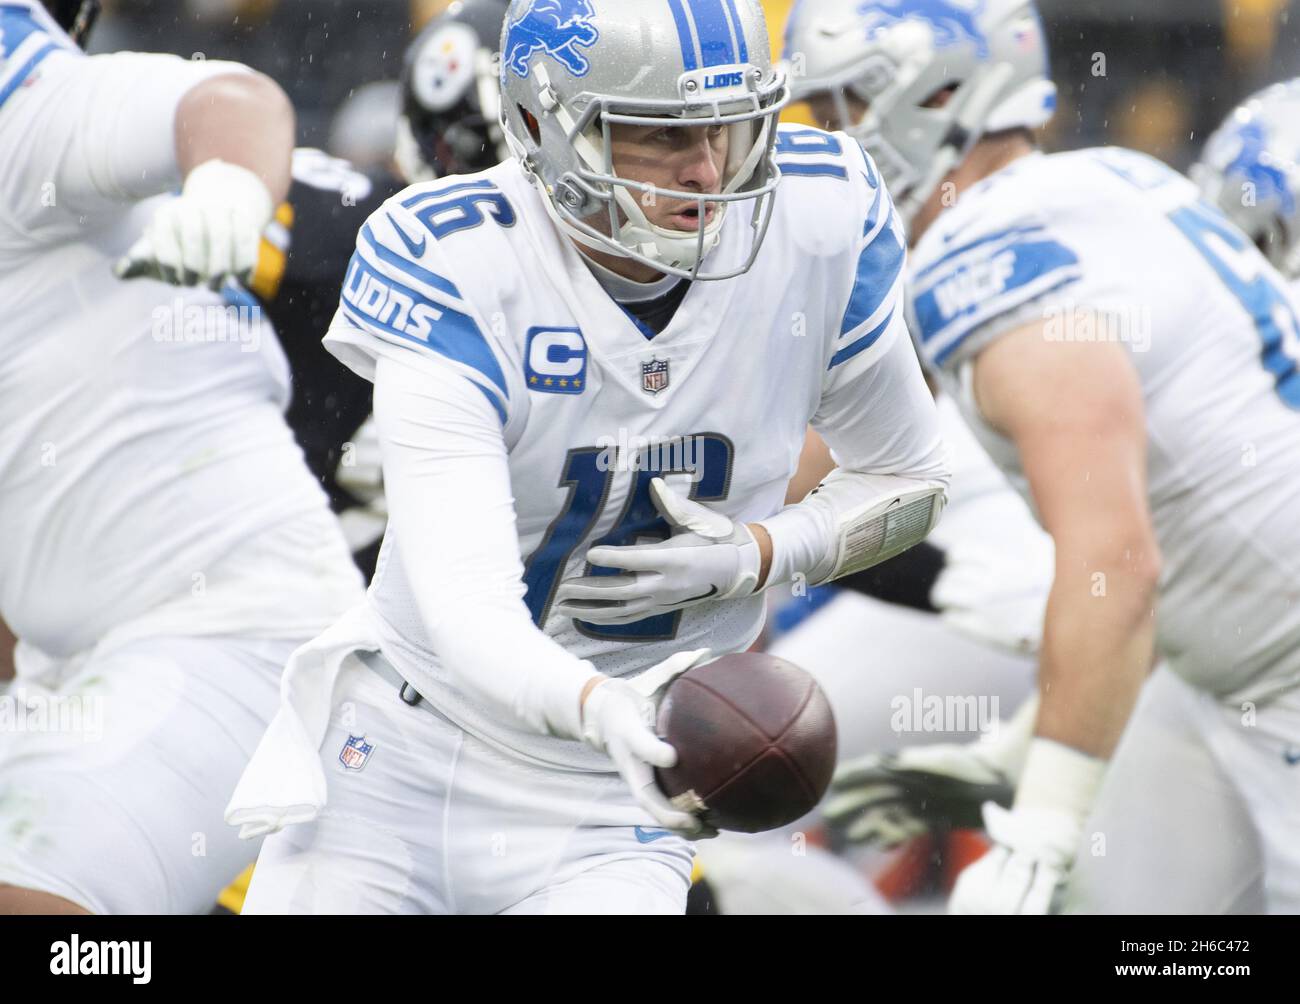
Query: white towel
[[284, 782]]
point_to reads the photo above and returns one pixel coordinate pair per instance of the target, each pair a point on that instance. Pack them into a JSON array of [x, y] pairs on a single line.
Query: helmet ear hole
[[941, 96], [530, 120]]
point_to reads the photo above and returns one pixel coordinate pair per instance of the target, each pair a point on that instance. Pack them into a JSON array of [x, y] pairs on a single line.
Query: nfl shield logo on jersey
[[356, 751], [654, 376]]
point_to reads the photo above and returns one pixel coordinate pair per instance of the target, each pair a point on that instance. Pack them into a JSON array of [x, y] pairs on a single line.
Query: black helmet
[[450, 94], [76, 17]]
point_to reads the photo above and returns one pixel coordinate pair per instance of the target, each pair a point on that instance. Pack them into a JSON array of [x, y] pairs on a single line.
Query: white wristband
[[1060, 778]]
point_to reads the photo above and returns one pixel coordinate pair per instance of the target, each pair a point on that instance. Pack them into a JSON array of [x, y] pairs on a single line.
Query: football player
[[166, 548], [1142, 392], [593, 366], [1249, 169]]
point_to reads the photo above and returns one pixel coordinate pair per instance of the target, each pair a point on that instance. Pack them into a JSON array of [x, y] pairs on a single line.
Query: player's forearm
[[243, 119], [499, 656], [452, 517], [1097, 646]]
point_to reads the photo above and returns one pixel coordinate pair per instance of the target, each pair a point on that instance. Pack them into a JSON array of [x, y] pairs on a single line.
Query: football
[[755, 741]]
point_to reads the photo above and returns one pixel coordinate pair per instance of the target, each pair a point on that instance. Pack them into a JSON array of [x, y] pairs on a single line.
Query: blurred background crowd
[[1154, 75]]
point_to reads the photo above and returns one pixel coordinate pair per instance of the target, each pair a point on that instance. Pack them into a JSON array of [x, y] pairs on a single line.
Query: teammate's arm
[[1075, 413], [234, 146], [105, 131], [241, 119]]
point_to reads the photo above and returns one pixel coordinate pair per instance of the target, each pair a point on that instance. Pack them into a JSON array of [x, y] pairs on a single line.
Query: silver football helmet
[[897, 56], [1250, 169], [572, 69]]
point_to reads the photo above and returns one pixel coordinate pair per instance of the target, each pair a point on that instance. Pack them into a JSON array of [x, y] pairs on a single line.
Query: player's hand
[[618, 718], [1026, 868], [996, 595], [709, 558], [888, 798], [209, 233]]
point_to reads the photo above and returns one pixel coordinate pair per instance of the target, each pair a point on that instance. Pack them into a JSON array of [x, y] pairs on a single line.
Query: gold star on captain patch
[[532, 379], [563, 382], [548, 381], [577, 383]]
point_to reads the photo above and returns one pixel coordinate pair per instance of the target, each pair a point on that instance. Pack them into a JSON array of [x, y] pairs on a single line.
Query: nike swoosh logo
[[415, 249], [702, 596], [645, 836], [1291, 756]]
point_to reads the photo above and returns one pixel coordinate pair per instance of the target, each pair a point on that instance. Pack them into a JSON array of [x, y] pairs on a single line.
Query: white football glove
[[995, 595], [211, 232], [1027, 866], [618, 719], [711, 558], [887, 798]]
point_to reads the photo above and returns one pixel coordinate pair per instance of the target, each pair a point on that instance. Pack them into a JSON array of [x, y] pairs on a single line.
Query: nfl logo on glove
[[654, 376]]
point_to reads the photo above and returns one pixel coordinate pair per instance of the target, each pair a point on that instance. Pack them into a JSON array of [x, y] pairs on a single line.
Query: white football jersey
[[472, 272], [1213, 333], [144, 443]]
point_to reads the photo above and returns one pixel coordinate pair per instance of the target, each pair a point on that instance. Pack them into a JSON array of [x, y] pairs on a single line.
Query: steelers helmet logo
[[444, 68]]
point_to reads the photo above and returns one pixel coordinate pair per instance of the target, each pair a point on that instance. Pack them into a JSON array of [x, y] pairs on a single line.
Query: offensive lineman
[[608, 337], [1141, 390], [166, 547], [1250, 169]]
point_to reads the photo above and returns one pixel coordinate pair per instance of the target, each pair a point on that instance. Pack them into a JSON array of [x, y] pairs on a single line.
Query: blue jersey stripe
[[984, 289], [813, 170], [713, 31], [879, 267], [942, 357], [390, 257], [440, 193], [1010, 232], [684, 35], [739, 33], [870, 168], [24, 71], [369, 322], [872, 214], [494, 401], [454, 334], [862, 344]]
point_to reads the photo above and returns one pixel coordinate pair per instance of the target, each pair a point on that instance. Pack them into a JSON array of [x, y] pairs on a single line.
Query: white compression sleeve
[[452, 512]]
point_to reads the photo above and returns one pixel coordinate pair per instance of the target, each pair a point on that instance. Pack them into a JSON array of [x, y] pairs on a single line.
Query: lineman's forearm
[[1097, 649]]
